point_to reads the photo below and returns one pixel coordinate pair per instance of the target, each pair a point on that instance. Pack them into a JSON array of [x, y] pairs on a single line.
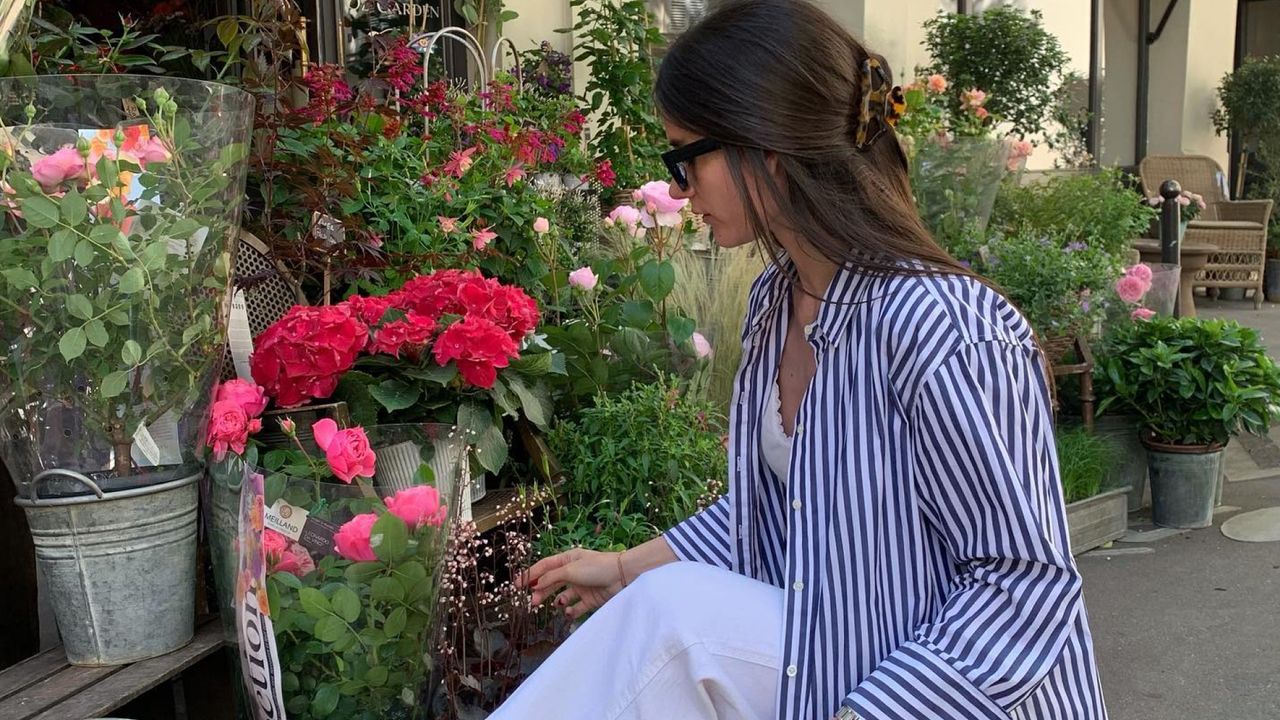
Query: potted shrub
[[122, 198], [1096, 511], [1195, 383]]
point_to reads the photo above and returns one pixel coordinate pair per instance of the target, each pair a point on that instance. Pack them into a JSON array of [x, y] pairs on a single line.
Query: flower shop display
[[1096, 513], [329, 568], [1194, 383], [452, 346], [121, 204]]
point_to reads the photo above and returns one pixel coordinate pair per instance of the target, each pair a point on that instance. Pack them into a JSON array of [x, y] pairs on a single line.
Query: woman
[[893, 545]]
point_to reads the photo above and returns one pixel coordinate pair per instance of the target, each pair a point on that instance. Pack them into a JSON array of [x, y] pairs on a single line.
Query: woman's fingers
[[549, 584], [533, 575], [568, 597]]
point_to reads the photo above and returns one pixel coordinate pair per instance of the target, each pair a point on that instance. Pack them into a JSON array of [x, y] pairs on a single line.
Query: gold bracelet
[[621, 575]]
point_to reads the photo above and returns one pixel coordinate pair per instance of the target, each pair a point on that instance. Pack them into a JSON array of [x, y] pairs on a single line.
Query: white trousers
[[684, 641]]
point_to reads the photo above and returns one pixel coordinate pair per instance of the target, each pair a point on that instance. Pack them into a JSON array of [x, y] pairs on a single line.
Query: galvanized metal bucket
[[120, 566]]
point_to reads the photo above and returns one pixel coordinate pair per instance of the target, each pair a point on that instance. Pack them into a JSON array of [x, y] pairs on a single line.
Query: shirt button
[[799, 429], [796, 503], [808, 330], [798, 585], [791, 671]]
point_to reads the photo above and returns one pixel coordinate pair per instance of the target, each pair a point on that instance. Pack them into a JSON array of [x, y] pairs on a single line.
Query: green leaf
[[491, 449], [346, 603], [21, 278], [377, 675], [657, 279], [96, 332], [385, 588], [131, 353], [132, 281], [680, 328], [79, 306], [40, 211], [361, 572], [533, 363], [114, 383], [74, 208], [395, 394], [84, 252], [389, 538], [325, 701], [72, 343], [394, 624], [535, 402], [62, 245], [329, 628], [227, 30], [314, 603]]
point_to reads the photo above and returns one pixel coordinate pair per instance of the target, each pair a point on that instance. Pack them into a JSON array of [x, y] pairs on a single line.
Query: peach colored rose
[[246, 393], [937, 83], [418, 506], [541, 226], [352, 539], [52, 170], [347, 451]]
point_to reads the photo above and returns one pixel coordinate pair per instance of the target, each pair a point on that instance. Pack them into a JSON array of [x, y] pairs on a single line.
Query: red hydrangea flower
[[506, 306], [479, 347], [369, 310], [409, 335], [304, 353], [433, 295]]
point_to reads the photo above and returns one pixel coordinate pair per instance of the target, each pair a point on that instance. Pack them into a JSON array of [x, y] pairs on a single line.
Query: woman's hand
[[584, 579]]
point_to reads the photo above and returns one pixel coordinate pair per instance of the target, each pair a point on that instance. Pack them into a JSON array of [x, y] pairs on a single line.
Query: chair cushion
[[1223, 225]]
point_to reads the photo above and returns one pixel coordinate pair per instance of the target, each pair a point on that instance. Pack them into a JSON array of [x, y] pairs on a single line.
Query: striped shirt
[[921, 535]]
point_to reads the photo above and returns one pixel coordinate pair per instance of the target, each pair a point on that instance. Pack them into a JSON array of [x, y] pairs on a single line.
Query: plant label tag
[[317, 537], [146, 445], [240, 336], [286, 519]]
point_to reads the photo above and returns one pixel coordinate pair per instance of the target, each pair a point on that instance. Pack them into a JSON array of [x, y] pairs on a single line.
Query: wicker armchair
[[1237, 227]]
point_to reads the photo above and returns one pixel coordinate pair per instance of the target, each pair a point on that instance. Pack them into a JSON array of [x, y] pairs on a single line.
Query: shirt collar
[[848, 289]]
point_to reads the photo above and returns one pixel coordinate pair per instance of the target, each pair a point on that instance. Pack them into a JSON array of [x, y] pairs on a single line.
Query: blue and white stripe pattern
[[921, 536]]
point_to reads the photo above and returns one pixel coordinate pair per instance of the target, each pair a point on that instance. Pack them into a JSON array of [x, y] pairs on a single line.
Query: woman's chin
[[728, 240]]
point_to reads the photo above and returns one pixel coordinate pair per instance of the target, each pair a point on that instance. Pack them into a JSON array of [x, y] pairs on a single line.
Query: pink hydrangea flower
[[583, 279], [347, 451], [418, 506], [352, 541]]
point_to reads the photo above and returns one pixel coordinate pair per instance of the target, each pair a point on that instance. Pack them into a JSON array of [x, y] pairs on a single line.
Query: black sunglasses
[[677, 159]]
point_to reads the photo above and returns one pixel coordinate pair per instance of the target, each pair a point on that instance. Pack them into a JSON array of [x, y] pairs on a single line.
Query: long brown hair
[[782, 77]]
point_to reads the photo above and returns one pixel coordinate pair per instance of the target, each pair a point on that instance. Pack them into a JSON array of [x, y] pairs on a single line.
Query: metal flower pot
[[1184, 483]]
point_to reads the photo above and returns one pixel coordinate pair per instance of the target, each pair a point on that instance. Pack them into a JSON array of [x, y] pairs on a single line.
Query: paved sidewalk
[[1187, 623]]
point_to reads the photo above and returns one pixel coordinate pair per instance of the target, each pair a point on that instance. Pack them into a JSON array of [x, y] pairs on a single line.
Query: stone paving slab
[[1255, 526]]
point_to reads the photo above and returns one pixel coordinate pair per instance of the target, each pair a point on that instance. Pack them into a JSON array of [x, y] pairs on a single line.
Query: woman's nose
[[677, 192]]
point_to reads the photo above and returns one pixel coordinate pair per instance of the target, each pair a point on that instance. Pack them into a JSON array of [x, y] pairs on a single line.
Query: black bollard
[[1170, 223]]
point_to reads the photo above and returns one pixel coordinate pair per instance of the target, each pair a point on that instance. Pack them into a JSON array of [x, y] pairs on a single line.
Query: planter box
[[1098, 520]]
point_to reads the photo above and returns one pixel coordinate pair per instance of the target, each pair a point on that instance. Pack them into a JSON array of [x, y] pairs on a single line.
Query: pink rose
[[295, 561], [660, 207], [628, 216], [541, 226], [937, 83], [973, 98], [229, 428], [152, 150], [1131, 289], [288, 427], [347, 451], [418, 506], [583, 279], [982, 113], [274, 544], [1140, 271], [352, 539], [1142, 314], [700, 345], [245, 393], [52, 170]]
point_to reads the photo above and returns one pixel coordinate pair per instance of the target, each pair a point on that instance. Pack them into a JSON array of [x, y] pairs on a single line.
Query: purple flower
[[1076, 245]]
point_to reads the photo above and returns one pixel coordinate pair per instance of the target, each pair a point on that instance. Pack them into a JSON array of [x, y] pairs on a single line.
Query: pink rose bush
[[1132, 287], [354, 540], [418, 506], [583, 279], [347, 451]]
